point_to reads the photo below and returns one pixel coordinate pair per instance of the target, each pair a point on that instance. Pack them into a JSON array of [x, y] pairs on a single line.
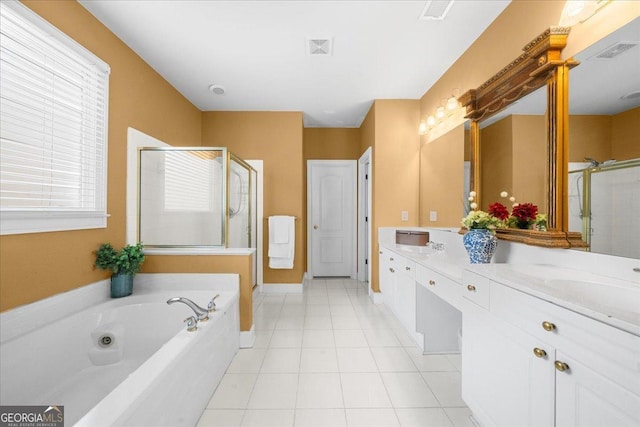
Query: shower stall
[[604, 201], [195, 198]]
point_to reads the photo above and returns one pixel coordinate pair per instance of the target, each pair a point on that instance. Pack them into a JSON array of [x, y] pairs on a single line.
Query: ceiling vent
[[319, 46], [615, 50], [436, 10]]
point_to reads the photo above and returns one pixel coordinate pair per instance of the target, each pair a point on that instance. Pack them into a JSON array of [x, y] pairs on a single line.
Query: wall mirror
[[540, 72], [514, 152], [604, 146]]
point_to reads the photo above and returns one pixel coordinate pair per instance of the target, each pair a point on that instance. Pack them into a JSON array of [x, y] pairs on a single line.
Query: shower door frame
[[227, 157]]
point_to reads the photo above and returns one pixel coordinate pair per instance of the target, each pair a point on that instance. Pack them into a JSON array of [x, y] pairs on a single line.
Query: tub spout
[[201, 313]]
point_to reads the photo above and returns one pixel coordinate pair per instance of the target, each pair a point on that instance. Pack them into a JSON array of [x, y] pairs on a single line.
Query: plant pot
[[480, 244], [121, 285]]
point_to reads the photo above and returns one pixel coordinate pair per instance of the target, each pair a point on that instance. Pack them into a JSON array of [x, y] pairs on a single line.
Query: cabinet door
[[387, 277], [503, 382], [585, 397]]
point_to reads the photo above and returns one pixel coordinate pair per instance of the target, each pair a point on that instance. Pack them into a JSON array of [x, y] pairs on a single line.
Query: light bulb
[[440, 112], [422, 129], [452, 103], [431, 121]]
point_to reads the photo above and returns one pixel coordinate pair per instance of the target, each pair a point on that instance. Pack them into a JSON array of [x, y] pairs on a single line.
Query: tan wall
[[441, 184], [39, 265], [275, 138], [237, 264], [331, 144], [589, 136], [395, 168], [625, 136]]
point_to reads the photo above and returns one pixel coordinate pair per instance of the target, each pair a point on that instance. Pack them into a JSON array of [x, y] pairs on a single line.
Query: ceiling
[[257, 50]]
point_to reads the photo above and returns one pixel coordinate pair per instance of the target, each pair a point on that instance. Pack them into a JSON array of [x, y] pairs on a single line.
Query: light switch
[[433, 215], [405, 215]]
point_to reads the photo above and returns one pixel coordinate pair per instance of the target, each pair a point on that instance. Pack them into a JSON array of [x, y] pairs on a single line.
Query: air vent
[[615, 50], [319, 46], [436, 10]]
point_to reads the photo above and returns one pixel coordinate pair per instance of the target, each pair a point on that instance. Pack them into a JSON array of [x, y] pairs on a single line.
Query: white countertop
[[611, 301], [440, 262]]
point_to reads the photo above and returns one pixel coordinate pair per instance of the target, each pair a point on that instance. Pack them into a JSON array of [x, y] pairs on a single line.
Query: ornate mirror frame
[[540, 64]]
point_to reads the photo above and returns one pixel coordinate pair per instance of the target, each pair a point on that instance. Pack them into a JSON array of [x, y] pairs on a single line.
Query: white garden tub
[[127, 361]]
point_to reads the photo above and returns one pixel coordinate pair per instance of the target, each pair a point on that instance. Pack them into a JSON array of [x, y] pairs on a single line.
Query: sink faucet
[[201, 313]]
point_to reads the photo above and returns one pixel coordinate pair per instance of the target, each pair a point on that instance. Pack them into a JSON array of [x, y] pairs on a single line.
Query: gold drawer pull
[[548, 326], [471, 288], [432, 282], [408, 268], [390, 258], [561, 366], [391, 270], [539, 352]]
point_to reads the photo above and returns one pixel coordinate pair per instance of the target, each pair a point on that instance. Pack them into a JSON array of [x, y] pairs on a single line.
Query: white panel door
[[331, 219]]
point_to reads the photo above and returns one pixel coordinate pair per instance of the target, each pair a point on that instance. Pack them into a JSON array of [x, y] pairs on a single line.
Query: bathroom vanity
[[542, 345]]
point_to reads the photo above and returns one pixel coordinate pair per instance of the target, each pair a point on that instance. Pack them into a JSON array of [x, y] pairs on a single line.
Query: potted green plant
[[123, 265]]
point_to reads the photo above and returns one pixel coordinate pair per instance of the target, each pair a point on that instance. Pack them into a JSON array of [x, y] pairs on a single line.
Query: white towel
[[281, 241]]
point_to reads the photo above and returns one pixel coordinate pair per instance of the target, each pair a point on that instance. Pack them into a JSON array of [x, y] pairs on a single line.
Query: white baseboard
[[282, 288], [248, 338], [376, 297]]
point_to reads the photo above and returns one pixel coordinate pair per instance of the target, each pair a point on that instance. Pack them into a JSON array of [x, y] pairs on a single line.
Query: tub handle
[[212, 304], [192, 323]]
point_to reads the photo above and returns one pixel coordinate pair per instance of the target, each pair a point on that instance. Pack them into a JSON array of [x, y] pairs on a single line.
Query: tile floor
[[330, 357]]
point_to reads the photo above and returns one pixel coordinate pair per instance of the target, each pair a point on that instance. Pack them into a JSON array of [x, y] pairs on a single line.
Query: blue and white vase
[[480, 244]]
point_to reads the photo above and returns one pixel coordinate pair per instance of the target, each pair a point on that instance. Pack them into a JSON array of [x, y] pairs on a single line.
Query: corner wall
[[276, 138], [39, 265]]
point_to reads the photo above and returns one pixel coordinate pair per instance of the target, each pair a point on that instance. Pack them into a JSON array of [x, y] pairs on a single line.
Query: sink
[[611, 297]]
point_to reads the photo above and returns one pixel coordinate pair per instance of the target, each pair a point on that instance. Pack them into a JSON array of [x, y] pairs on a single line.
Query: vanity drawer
[[476, 288], [440, 285], [407, 266]]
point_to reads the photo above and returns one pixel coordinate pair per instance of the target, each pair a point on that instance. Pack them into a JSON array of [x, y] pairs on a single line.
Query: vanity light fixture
[[452, 103], [579, 11]]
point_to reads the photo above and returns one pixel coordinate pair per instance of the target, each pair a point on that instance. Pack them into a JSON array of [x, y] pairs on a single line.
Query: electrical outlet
[[405, 215], [433, 215]]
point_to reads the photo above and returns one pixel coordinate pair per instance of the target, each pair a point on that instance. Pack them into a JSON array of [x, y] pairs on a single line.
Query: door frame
[[310, 234], [364, 224]]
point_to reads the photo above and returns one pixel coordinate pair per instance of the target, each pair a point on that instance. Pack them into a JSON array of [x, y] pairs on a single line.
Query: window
[[53, 127]]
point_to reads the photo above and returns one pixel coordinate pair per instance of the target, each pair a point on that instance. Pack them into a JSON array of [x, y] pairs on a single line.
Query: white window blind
[[189, 179], [53, 127]]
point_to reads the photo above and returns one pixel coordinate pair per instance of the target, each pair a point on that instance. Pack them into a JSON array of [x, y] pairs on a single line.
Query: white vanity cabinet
[[526, 361], [388, 266], [398, 288]]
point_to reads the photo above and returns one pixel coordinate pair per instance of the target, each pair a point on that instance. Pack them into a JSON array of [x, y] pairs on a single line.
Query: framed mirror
[[540, 67], [604, 146]]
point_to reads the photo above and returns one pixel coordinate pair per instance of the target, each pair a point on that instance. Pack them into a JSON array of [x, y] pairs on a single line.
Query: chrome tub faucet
[[201, 313]]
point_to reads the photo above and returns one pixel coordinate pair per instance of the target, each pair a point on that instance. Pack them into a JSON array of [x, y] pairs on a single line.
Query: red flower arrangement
[[525, 212], [499, 211]]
